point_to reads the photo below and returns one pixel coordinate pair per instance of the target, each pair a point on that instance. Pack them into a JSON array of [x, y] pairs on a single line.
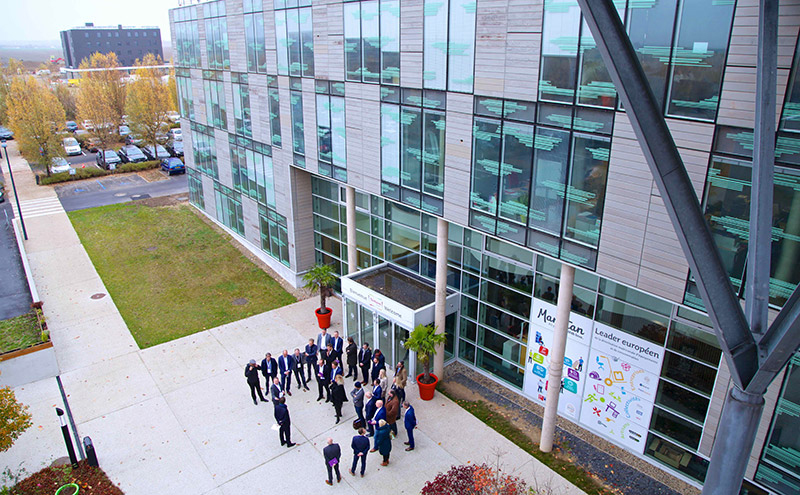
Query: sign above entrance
[[383, 305]]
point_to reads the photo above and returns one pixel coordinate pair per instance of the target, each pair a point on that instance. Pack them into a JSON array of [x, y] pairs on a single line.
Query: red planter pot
[[426, 390], [324, 320]]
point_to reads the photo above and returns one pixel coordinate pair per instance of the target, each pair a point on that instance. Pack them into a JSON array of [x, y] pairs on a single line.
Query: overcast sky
[[39, 20]]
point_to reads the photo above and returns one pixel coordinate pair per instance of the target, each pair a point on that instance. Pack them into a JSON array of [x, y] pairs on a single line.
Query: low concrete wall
[[28, 365], [24, 255]]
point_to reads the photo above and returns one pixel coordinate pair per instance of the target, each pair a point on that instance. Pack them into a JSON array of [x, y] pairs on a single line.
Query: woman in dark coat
[[383, 441], [338, 395], [352, 358]]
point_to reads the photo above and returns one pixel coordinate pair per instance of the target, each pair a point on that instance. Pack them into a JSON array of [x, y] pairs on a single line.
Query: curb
[[24, 256]]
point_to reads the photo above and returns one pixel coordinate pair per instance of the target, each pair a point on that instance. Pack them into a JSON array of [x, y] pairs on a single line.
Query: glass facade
[[228, 205], [294, 33], [216, 36], [273, 233], [331, 133], [298, 128], [183, 83], [252, 171], [241, 105], [214, 91], [204, 150], [372, 41], [187, 38], [449, 45], [274, 111], [254, 36], [196, 188], [413, 146]]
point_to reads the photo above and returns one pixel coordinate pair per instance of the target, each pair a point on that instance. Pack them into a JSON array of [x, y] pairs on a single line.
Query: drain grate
[[99, 295], [241, 301]]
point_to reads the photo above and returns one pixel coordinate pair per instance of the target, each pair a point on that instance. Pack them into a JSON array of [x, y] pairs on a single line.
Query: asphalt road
[[84, 194], [15, 298], [85, 158]]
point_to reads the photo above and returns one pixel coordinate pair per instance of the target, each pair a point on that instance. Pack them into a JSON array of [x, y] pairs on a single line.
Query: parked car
[[6, 133], [175, 148], [176, 134], [59, 165], [125, 120], [158, 154], [92, 144], [173, 116], [88, 125], [107, 159], [72, 147], [124, 130], [173, 165], [71, 125], [131, 154], [131, 139]]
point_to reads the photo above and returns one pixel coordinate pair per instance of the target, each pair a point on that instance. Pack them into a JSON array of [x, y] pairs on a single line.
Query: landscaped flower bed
[[90, 480]]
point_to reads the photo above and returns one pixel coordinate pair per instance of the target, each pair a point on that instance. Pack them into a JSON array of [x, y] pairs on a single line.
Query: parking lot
[[85, 159]]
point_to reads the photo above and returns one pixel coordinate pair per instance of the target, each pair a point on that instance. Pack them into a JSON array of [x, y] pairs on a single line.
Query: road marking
[[33, 208], [101, 184]]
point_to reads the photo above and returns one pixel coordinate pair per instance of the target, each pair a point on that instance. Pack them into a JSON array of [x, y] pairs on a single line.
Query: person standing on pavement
[[323, 340], [378, 363], [383, 441], [383, 382], [369, 411], [338, 344], [358, 402], [269, 368], [251, 372], [332, 454], [364, 362], [360, 445], [352, 358], [380, 415], [410, 421], [377, 391], [297, 358], [284, 423], [286, 365], [311, 358], [338, 396], [392, 411], [323, 381], [400, 380], [275, 391]]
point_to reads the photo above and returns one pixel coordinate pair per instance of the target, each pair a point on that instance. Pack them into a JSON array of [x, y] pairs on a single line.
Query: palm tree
[[423, 341], [320, 277]]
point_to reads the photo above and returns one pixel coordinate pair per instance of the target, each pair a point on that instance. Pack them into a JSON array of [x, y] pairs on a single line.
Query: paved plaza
[[178, 419]]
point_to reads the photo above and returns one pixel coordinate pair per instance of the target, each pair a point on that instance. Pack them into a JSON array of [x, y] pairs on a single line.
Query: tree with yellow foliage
[[14, 68], [101, 98], [36, 116], [148, 102], [14, 418]]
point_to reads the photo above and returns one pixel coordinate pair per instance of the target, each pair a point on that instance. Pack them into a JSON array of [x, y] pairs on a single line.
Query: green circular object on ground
[[68, 489]]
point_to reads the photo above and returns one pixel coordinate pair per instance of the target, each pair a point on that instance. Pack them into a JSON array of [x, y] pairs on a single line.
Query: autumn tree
[[14, 418], [173, 91], [36, 116], [14, 68], [148, 101], [66, 96], [101, 98]]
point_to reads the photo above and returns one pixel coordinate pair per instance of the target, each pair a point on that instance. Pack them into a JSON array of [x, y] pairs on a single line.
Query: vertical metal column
[[556, 355], [352, 252], [440, 315]]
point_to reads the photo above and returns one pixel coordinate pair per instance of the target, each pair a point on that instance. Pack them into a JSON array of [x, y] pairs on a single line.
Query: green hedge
[[91, 172]]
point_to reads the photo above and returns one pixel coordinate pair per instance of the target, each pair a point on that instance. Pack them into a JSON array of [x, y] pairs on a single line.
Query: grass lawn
[[19, 333], [169, 273]]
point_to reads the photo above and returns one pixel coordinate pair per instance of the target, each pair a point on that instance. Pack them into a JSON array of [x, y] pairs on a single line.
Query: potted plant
[[423, 341], [321, 277]]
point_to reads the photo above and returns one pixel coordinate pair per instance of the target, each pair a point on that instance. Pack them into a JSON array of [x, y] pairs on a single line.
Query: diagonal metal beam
[[675, 187], [778, 345]]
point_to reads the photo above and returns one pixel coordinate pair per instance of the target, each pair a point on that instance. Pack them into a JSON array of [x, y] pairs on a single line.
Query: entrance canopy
[[396, 294]]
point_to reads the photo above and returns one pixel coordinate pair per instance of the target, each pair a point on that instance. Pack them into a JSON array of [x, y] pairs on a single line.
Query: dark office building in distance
[[129, 43]]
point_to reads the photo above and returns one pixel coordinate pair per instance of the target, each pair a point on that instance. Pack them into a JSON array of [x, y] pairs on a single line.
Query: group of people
[[378, 404]]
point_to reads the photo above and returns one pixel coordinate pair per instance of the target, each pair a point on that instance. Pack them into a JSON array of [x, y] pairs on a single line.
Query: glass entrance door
[[384, 342], [366, 327]]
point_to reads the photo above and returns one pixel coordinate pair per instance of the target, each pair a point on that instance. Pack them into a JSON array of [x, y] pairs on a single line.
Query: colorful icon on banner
[[539, 370]]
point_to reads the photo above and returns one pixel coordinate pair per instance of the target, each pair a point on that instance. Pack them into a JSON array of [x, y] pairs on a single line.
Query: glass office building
[[357, 133]]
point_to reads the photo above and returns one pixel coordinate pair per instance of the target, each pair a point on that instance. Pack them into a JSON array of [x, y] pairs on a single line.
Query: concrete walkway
[[178, 419]]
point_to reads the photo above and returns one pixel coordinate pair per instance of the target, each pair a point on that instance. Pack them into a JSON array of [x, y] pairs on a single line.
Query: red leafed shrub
[[475, 480]]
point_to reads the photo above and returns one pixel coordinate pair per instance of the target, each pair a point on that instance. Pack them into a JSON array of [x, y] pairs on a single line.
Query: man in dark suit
[[338, 344], [251, 372], [378, 363], [330, 354], [377, 390], [311, 358], [323, 380], [269, 368], [299, 375], [360, 445], [369, 411], [365, 361], [380, 414], [285, 423], [410, 421], [285, 366], [275, 391], [335, 370], [332, 454]]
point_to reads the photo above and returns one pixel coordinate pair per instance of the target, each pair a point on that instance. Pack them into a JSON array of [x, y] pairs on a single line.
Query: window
[[540, 186], [216, 35], [298, 129], [204, 150], [412, 147], [254, 36], [196, 188], [331, 132], [241, 105], [372, 41], [274, 110], [252, 171], [228, 205], [214, 90], [183, 82], [295, 38], [274, 235], [449, 54]]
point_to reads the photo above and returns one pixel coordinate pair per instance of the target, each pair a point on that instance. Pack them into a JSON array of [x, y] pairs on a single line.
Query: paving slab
[[90, 341], [64, 267]]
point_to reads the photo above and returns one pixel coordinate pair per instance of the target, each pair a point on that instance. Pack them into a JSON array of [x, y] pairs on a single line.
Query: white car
[[88, 125], [176, 134], [71, 146], [59, 165]]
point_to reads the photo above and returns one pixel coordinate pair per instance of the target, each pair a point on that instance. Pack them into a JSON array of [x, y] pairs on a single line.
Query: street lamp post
[[67, 439], [14, 186]]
